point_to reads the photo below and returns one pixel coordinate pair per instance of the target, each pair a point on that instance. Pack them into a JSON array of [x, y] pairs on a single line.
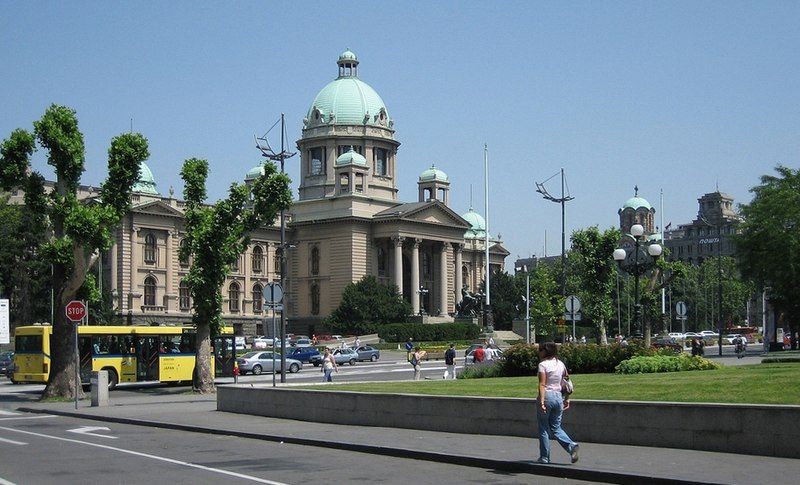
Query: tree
[[367, 304], [79, 229], [505, 294], [546, 301], [595, 269], [768, 245], [215, 238]]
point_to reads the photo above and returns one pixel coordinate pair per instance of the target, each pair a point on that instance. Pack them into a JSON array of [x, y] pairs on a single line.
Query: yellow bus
[[128, 353]]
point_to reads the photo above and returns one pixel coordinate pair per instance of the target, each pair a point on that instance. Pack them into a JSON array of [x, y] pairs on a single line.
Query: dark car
[[667, 343], [367, 352], [7, 363], [302, 353]]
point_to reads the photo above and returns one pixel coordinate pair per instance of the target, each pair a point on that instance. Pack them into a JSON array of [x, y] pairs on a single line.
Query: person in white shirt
[[552, 403]]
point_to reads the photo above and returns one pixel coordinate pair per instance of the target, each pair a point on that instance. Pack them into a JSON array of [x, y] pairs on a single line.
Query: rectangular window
[[381, 156], [317, 161], [346, 148]]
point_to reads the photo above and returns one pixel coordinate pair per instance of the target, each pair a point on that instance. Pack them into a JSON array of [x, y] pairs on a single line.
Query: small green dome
[[478, 224], [146, 183], [255, 172], [637, 203], [433, 174], [347, 100], [351, 157]]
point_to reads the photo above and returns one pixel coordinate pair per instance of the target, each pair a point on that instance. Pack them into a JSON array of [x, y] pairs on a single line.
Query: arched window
[[183, 255], [258, 259], [184, 296], [315, 260], [149, 291], [315, 299], [465, 276], [150, 249], [258, 298], [233, 297]]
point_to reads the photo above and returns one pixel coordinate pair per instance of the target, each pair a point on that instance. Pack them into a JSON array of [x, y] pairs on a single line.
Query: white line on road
[[152, 457], [88, 430], [13, 442]]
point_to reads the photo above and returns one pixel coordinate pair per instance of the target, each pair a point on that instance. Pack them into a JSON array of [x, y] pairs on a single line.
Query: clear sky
[[679, 97]]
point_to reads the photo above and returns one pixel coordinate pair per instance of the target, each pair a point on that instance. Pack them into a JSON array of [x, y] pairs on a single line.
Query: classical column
[[398, 261], [443, 290], [136, 261], [375, 252], [247, 291], [112, 260], [169, 267], [416, 296], [459, 273]]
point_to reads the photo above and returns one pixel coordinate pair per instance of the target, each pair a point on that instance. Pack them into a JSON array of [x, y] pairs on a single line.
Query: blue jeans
[[327, 377], [550, 424]]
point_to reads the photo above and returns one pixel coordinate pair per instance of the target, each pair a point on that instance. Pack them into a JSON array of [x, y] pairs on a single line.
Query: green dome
[[348, 100], [637, 203], [351, 157], [433, 174], [255, 172], [478, 224], [146, 183]]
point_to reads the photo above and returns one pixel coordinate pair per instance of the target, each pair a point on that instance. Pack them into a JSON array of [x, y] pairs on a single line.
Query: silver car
[[261, 361]]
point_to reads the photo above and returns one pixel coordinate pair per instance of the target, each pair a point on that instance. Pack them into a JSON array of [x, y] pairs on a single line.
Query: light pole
[[559, 200], [527, 299], [637, 262], [421, 292]]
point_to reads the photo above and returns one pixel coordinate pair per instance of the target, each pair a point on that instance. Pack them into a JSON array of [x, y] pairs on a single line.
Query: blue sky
[[684, 97]]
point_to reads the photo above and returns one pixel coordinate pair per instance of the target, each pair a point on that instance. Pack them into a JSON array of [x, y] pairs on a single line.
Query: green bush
[[664, 363], [449, 332], [484, 370]]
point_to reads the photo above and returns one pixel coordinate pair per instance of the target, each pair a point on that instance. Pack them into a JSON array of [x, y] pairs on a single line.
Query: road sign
[[680, 309], [572, 304], [76, 310], [273, 293], [573, 316]]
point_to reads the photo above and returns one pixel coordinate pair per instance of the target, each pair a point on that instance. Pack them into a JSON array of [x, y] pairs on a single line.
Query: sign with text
[[76, 310], [5, 327]]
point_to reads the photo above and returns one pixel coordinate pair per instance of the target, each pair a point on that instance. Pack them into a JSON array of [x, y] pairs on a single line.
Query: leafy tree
[[367, 304], [768, 246], [595, 269], [505, 294], [79, 230], [215, 238], [546, 301]]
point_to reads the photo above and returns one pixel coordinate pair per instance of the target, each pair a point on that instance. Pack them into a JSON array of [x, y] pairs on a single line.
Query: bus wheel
[[257, 370], [113, 379]]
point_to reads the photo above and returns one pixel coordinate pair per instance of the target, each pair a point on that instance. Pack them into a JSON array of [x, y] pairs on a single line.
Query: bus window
[[28, 343]]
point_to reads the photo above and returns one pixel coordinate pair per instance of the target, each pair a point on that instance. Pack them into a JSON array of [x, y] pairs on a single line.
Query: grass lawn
[[748, 384]]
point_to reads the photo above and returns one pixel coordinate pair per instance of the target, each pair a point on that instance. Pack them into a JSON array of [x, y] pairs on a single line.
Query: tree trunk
[[203, 378], [603, 334], [63, 363]]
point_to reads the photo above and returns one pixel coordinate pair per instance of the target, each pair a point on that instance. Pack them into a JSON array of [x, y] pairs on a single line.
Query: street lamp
[[636, 262], [422, 291], [526, 299]]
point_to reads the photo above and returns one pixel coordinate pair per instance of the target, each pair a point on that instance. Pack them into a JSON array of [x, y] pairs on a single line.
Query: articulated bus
[[128, 353]]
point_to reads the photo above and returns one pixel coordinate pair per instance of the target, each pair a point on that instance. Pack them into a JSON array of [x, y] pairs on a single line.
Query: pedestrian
[[552, 403], [478, 355], [328, 366], [488, 353], [409, 348], [357, 343], [450, 362], [490, 343], [416, 361], [701, 348]]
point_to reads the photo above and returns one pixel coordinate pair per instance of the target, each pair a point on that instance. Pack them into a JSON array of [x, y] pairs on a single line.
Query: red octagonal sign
[[76, 310]]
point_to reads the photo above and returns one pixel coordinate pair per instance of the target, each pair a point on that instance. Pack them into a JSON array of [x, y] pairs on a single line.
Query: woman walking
[[328, 366], [551, 404]]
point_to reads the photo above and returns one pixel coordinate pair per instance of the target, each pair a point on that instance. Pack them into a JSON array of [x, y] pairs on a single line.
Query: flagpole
[[663, 242], [488, 324]]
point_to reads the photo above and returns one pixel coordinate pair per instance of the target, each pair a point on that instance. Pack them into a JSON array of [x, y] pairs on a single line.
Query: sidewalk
[[171, 409]]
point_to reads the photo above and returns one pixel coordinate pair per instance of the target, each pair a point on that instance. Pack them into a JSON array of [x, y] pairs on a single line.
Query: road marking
[[90, 431], [8, 413], [13, 442], [146, 455], [21, 417]]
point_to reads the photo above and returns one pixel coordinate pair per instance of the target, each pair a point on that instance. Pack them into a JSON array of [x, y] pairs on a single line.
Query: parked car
[[733, 336], [469, 359], [666, 343], [301, 342], [341, 356], [708, 334], [260, 361], [302, 353], [367, 352], [261, 342], [676, 335], [691, 335], [7, 363]]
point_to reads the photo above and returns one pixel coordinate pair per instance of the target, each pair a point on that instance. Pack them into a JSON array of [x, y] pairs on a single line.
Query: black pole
[[719, 284], [637, 308]]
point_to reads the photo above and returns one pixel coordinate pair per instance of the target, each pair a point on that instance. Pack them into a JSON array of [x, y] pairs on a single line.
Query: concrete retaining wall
[[747, 429]]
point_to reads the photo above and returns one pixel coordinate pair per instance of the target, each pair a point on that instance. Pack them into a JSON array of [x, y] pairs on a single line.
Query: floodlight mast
[[559, 200], [270, 154]]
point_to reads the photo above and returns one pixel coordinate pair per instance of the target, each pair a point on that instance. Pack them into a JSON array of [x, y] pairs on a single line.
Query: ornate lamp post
[[637, 261]]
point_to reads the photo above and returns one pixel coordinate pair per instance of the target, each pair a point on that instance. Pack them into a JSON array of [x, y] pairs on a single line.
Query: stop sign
[[76, 310]]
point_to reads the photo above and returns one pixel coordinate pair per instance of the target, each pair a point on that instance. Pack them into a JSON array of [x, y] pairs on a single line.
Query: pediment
[[431, 212], [157, 208]]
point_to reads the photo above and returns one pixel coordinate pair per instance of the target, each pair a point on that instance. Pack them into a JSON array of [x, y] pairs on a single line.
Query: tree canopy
[[367, 304], [79, 229], [216, 236]]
